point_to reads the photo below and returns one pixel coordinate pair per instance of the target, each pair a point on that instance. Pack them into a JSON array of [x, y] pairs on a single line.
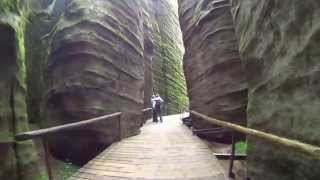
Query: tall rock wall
[[44, 15], [17, 159], [96, 67], [168, 79], [215, 79], [279, 44], [149, 51]]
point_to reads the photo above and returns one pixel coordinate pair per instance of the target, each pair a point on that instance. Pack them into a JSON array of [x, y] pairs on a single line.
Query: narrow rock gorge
[[100, 62], [66, 61], [169, 80], [216, 81], [102, 57], [279, 46], [248, 62]]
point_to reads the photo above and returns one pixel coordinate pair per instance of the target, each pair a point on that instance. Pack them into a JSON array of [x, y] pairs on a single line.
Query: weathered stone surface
[[149, 51], [279, 44], [44, 16], [168, 78], [215, 79], [96, 67], [18, 159], [100, 62]]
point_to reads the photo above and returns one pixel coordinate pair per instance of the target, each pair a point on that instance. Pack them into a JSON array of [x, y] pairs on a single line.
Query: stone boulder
[[279, 44], [215, 79]]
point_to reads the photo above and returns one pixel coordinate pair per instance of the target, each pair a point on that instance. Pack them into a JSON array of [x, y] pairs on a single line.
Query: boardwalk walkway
[[166, 151]]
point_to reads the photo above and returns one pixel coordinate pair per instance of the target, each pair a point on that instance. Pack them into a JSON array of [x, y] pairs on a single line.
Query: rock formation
[[44, 16], [96, 67], [279, 44], [18, 159], [215, 79], [169, 80], [100, 62]]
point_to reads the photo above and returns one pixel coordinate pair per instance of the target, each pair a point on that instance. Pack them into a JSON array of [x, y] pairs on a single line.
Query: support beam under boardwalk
[[162, 151]]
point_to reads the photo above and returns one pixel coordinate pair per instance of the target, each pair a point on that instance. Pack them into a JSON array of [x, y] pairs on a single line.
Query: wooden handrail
[[303, 147], [146, 109], [43, 132]]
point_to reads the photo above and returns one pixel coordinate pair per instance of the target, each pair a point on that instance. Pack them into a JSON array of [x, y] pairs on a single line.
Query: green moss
[[14, 14], [65, 170], [169, 80], [6, 137], [241, 147]]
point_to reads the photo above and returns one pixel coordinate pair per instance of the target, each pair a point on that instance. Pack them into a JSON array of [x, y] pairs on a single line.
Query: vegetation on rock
[[18, 160], [168, 78]]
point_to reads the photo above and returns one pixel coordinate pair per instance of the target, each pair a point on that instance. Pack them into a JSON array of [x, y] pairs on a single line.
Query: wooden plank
[[161, 151]]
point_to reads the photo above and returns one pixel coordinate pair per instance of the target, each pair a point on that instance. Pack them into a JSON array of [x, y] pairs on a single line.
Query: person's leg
[[160, 115], [154, 113]]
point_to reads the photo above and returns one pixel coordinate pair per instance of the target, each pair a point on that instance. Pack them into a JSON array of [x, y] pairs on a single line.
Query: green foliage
[[6, 137], [63, 170], [241, 147], [43, 176]]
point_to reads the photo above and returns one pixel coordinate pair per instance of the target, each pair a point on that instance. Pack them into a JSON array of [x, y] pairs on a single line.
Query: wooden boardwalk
[[166, 151]]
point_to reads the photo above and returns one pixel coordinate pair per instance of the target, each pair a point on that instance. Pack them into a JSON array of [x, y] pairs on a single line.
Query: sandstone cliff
[[18, 160], [279, 45], [96, 67], [42, 17], [169, 80], [102, 57], [215, 79]]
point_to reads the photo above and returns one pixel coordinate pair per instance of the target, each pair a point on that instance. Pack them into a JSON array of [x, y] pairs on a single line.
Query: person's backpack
[[158, 104]]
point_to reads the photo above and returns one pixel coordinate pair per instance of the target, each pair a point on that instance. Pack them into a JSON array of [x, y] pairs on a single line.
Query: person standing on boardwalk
[[154, 113], [158, 102]]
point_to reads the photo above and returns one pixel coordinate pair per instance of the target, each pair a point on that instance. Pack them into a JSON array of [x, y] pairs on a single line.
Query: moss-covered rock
[[18, 159], [168, 77], [279, 44]]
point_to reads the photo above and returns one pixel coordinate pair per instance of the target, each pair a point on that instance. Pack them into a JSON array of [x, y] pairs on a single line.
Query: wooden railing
[[309, 149], [58, 129], [295, 144], [44, 133]]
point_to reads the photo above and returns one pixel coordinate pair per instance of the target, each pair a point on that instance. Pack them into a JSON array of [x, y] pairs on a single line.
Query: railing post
[[119, 128], [143, 117], [231, 174], [47, 156]]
